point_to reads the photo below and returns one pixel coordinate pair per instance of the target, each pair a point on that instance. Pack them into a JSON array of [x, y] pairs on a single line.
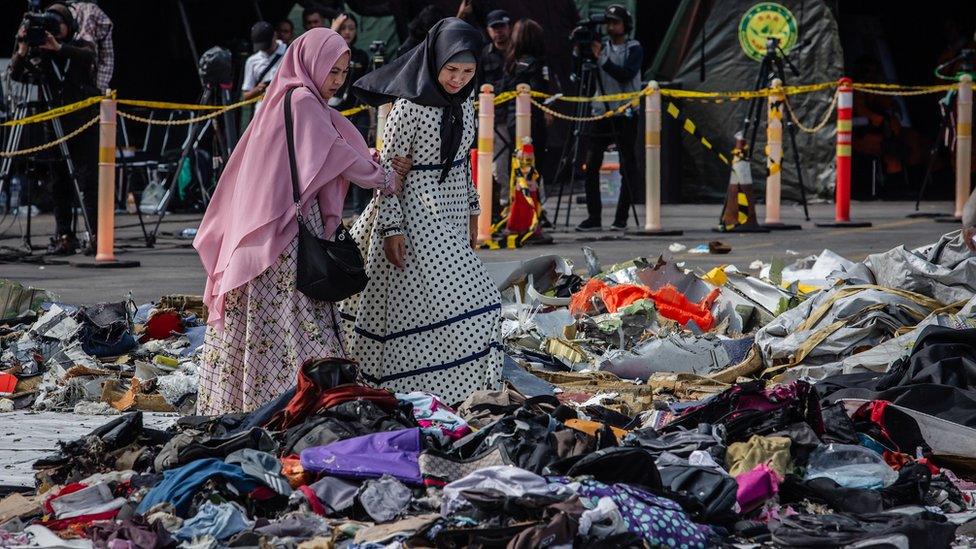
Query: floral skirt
[[270, 330]]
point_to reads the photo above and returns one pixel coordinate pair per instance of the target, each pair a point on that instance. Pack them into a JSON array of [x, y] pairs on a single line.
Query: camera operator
[[619, 61], [65, 64], [95, 26]]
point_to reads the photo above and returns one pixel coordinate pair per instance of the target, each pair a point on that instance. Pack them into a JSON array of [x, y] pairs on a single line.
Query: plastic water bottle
[[15, 192]]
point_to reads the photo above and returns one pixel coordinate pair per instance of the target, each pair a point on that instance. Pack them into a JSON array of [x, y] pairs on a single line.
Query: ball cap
[[262, 33], [618, 12], [498, 17]]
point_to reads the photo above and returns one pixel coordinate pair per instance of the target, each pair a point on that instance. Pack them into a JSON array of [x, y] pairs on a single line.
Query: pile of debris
[[101, 359], [826, 403]]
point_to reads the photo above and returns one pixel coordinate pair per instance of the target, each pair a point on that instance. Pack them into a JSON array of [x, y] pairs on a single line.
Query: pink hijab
[[251, 218]]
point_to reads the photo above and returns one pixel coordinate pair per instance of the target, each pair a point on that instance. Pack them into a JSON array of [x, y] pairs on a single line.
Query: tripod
[[588, 78], [947, 108], [771, 67], [15, 140], [213, 94]]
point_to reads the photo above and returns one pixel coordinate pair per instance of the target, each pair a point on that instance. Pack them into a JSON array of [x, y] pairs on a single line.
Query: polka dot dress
[[434, 325]]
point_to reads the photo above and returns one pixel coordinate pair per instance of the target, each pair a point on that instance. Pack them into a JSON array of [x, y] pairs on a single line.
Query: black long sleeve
[[631, 66]]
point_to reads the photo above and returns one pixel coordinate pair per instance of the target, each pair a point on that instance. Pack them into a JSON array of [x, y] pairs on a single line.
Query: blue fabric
[[660, 521], [181, 484], [220, 521]]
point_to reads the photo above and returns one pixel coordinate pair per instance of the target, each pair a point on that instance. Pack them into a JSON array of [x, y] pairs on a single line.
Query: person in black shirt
[[67, 65], [525, 64], [359, 64]]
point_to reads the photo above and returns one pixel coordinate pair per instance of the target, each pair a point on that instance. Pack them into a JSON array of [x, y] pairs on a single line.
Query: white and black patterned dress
[[434, 325]]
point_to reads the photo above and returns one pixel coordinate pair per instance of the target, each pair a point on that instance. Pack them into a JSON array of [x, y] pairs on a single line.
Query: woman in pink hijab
[[261, 329]]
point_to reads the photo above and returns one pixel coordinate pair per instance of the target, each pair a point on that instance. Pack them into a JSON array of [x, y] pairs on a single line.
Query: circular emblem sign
[[763, 21]]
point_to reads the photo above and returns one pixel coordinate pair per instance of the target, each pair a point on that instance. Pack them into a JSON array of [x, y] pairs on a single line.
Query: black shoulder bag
[[327, 270]]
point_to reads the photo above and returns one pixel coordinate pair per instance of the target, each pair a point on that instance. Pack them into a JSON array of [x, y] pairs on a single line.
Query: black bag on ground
[[327, 270]]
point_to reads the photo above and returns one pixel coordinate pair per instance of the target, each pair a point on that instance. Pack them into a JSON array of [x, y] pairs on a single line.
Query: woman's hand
[[395, 250], [473, 232], [338, 21], [401, 165]]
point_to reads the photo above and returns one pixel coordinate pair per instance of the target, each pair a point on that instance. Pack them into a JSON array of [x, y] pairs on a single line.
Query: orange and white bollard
[[842, 184], [964, 142], [486, 150], [105, 243], [652, 165], [774, 157], [382, 113], [105, 239], [523, 115]]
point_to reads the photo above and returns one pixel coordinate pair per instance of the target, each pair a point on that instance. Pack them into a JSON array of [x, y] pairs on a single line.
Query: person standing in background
[[347, 27], [619, 59], [95, 26], [499, 30], [525, 63], [260, 67], [285, 31], [315, 16]]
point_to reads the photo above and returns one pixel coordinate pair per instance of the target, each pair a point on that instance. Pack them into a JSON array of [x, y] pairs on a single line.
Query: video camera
[[38, 24], [587, 32], [376, 49], [216, 67]]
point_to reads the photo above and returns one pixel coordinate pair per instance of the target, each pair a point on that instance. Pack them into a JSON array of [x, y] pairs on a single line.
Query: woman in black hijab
[[430, 316]]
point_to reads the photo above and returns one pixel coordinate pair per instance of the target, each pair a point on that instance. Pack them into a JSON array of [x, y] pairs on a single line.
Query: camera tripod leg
[[73, 176]]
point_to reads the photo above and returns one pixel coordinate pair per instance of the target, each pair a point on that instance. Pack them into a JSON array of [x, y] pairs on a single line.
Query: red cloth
[[313, 500], [670, 302], [311, 398], [163, 325], [63, 524], [68, 489]]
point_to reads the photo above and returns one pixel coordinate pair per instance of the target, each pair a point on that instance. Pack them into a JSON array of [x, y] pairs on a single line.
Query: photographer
[[66, 65], [619, 61]]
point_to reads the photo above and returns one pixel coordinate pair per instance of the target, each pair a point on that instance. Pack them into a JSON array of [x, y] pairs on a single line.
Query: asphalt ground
[[172, 265]]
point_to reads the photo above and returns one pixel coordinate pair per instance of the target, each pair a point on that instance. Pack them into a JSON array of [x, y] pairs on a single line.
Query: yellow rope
[[186, 106], [903, 91], [54, 113], [54, 143], [818, 127]]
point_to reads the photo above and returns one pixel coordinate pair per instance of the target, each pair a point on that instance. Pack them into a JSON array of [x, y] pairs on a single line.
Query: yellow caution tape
[[55, 113]]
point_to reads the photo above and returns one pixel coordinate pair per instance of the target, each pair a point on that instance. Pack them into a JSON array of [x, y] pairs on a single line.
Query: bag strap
[[290, 140], [271, 64], [335, 326]]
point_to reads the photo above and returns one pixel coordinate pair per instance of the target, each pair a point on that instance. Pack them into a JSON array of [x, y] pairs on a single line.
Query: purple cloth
[[392, 453], [756, 486]]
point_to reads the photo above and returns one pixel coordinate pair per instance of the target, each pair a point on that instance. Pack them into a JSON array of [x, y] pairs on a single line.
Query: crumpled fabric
[[384, 499], [218, 521], [181, 484], [756, 486], [603, 520], [510, 481], [659, 521], [137, 531], [436, 418], [742, 457], [945, 271], [370, 456]]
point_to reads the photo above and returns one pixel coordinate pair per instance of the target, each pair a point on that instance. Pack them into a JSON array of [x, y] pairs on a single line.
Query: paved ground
[[172, 266]]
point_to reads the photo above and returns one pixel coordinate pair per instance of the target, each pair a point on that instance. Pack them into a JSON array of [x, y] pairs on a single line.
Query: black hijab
[[413, 76]]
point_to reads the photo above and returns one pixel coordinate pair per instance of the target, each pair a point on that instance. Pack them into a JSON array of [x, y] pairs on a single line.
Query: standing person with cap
[[619, 60], [430, 316], [493, 58], [260, 67]]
